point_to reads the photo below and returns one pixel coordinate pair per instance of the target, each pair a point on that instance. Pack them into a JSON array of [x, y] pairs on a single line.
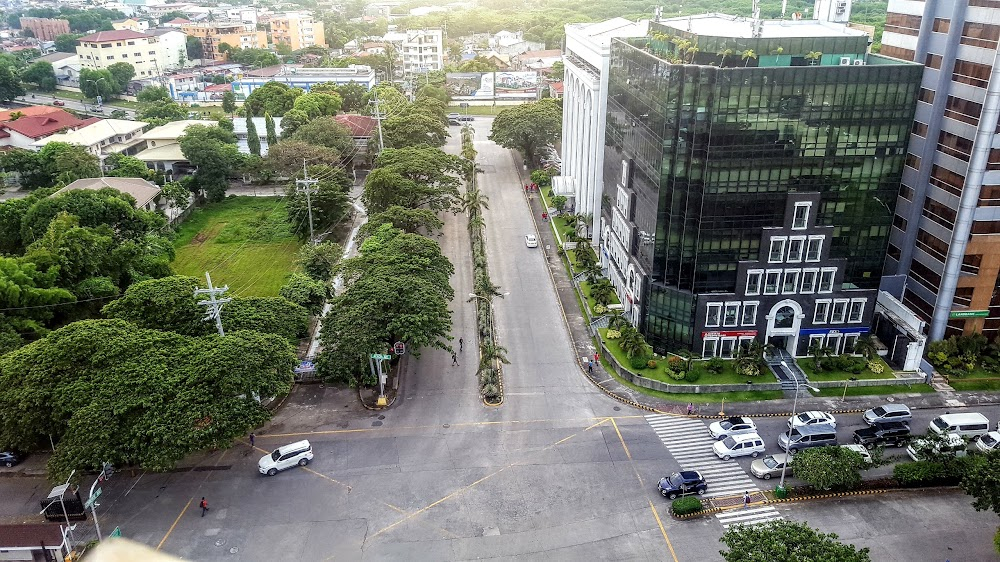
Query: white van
[[295, 454], [953, 446], [969, 425]]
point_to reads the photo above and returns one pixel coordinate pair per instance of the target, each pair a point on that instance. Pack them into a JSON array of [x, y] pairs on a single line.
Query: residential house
[[24, 127], [146, 194], [45, 29], [134, 24], [235, 34], [176, 23], [104, 48], [240, 130], [556, 90], [421, 50], [66, 67], [510, 43], [163, 149], [362, 128], [103, 138], [172, 45], [298, 30], [539, 61], [34, 541]]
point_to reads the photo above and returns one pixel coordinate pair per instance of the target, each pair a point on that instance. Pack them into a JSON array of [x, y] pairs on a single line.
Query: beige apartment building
[[236, 35], [104, 48], [298, 30]]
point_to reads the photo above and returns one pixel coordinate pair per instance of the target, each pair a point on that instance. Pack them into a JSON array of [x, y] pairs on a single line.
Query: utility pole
[[378, 119], [307, 185], [214, 304]]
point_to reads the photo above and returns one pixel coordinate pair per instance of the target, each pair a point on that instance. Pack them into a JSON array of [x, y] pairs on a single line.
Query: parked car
[[732, 426], [807, 436], [466, 118], [989, 442], [859, 450], [967, 425], [739, 446], [295, 454], [682, 483], [453, 115], [58, 103], [771, 466], [888, 412], [953, 446], [895, 433], [530, 241], [453, 121], [812, 418], [9, 458]]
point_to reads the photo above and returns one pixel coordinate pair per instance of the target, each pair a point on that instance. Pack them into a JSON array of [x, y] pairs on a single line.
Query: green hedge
[[930, 473], [684, 506]]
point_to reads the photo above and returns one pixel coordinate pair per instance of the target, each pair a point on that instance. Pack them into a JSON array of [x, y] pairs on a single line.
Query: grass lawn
[[697, 399], [806, 364], [871, 390], [244, 242], [973, 384], [476, 109]]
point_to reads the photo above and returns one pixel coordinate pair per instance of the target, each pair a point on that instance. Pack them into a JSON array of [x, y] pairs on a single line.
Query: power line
[[214, 304]]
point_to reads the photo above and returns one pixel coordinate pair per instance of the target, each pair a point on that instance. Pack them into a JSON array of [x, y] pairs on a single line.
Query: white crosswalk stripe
[[690, 443]]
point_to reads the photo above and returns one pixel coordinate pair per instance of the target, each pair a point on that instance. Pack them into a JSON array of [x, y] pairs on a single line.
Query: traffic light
[[399, 348]]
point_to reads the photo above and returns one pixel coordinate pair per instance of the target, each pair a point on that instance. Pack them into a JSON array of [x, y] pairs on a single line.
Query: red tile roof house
[[34, 123], [362, 129]]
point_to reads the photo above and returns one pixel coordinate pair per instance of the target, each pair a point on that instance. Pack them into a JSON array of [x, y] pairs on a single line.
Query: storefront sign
[[969, 314], [843, 330], [731, 334]]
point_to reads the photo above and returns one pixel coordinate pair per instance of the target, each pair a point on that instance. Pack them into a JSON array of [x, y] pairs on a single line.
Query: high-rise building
[[236, 35], [749, 176], [46, 29], [946, 235], [298, 30]]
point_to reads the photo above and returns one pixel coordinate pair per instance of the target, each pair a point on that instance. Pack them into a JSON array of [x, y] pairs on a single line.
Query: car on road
[[989, 442], [746, 444], [58, 103], [732, 426], [9, 458], [888, 412], [807, 436], [952, 445], [453, 115], [294, 454], [98, 110], [682, 483], [895, 433], [530, 241], [865, 455], [466, 118], [812, 417], [771, 466], [453, 121]]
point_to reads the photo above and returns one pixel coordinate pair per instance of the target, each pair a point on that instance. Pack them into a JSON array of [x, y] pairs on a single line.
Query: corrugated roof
[[30, 536], [360, 125], [140, 189], [116, 35]]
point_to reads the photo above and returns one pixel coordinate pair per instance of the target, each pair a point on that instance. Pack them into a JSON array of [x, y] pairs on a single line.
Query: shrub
[[748, 370], [651, 364], [676, 375], [930, 473], [692, 376], [612, 334], [600, 309], [637, 362], [685, 506], [875, 367], [715, 365]]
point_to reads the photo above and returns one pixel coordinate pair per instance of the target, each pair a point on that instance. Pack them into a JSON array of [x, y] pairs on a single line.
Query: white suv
[[296, 454], [739, 446]]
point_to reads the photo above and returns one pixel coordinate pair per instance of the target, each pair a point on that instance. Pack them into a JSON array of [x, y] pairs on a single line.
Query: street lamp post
[[795, 402], [96, 82]]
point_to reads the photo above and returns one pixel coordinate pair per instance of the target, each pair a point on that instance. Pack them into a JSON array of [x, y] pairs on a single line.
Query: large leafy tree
[[150, 94], [67, 163], [213, 150], [330, 203], [123, 73], [786, 541], [413, 129], [320, 261], [94, 208], [414, 221], [318, 104], [28, 294], [10, 84], [275, 98], [528, 128], [326, 131], [105, 390], [41, 74], [352, 94], [253, 57], [826, 468], [95, 83], [412, 177], [982, 482], [229, 102], [67, 42], [291, 122], [123, 166], [160, 112], [194, 47], [305, 291], [285, 158]]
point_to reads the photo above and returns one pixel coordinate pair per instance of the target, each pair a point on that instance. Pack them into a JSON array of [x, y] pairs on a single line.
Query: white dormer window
[[800, 218]]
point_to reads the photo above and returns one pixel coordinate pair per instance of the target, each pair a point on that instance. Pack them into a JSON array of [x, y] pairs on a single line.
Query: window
[[902, 23], [897, 52], [857, 311], [771, 282], [899, 222], [963, 296], [753, 282], [954, 145], [932, 245], [919, 129], [749, 314], [111, 57], [839, 311], [795, 248], [971, 73], [947, 180], [833, 342], [728, 346], [963, 110], [777, 253], [906, 192], [980, 35], [814, 248], [822, 310], [941, 25], [939, 213], [913, 161], [816, 340], [791, 281], [809, 280], [801, 216], [784, 318], [714, 314], [826, 280], [989, 196], [850, 340], [926, 96], [731, 317], [137, 54], [932, 61]]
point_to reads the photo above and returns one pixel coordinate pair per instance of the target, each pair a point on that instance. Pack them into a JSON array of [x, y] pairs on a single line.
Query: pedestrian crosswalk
[[690, 443]]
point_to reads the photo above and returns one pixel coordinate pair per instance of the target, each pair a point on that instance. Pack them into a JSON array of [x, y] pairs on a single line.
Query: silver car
[[772, 465], [888, 412]]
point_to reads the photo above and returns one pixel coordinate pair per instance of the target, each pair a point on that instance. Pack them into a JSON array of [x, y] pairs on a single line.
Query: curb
[[832, 495], [701, 513]]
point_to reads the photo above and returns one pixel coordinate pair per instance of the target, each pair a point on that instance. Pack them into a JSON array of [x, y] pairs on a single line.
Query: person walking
[[746, 500], [203, 505], [454, 359], [690, 408], [251, 439], [461, 344], [590, 367]]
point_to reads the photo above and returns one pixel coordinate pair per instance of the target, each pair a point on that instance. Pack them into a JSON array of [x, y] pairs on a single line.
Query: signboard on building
[[469, 85], [969, 314], [730, 334], [516, 85], [489, 86]]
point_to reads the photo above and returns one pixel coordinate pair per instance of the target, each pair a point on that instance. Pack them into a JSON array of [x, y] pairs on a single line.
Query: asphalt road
[[76, 105], [559, 472]]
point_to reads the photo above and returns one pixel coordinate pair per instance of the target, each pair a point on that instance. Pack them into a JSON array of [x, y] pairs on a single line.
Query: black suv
[[888, 433], [682, 484]]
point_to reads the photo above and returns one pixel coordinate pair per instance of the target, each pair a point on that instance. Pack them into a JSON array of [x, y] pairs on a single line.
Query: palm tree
[[747, 55], [724, 53], [593, 273], [813, 56], [818, 352], [618, 322], [865, 346], [602, 291], [473, 200], [632, 343]]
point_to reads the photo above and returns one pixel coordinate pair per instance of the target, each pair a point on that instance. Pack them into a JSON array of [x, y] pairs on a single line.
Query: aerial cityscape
[[520, 280]]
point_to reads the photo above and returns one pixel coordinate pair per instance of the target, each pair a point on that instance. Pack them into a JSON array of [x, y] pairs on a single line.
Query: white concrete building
[[423, 51], [171, 43], [585, 104]]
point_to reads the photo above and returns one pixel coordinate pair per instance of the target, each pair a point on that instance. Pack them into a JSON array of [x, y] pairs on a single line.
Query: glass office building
[[750, 174]]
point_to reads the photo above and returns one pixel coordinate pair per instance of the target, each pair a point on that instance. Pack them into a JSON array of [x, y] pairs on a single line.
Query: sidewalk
[[585, 349]]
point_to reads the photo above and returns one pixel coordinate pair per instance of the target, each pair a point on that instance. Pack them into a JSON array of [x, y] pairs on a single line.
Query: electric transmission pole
[[214, 304], [378, 119], [307, 185]]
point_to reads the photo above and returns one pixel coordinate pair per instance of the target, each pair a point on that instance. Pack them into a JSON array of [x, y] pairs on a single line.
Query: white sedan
[[812, 418], [732, 426], [530, 241]]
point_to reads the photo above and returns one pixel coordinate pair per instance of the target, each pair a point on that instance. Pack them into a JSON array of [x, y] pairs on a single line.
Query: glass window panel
[[822, 310], [791, 281], [809, 281], [714, 314], [771, 282], [749, 314], [839, 310], [732, 313]]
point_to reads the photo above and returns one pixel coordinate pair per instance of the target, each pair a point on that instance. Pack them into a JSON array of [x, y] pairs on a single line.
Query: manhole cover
[[376, 424], [617, 409], [220, 542]]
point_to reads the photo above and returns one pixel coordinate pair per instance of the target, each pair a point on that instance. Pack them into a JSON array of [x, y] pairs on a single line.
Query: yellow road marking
[[622, 439], [662, 530], [477, 482], [325, 477], [176, 521]]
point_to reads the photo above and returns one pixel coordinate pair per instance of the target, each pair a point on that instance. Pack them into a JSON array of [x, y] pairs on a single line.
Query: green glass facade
[[715, 150]]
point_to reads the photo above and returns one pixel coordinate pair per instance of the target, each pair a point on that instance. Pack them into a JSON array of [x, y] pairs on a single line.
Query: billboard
[[488, 86]]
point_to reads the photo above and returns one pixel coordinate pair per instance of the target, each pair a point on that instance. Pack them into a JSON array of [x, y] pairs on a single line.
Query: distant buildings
[[104, 48], [259, 123], [298, 30], [511, 43], [300, 77], [236, 35], [23, 127], [45, 29], [103, 138], [66, 67], [134, 24], [421, 50]]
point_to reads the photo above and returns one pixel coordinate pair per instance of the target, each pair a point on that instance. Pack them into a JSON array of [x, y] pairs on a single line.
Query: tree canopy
[[213, 150], [412, 177], [275, 98], [786, 541], [528, 128]]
